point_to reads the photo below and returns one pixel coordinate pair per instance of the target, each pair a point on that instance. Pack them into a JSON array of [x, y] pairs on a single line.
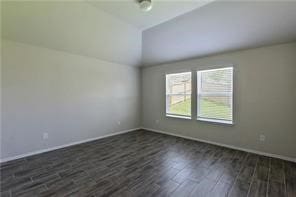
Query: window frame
[[198, 87], [189, 117]]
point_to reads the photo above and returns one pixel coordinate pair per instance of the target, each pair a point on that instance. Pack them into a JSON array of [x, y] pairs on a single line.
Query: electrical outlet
[[45, 136], [262, 138]]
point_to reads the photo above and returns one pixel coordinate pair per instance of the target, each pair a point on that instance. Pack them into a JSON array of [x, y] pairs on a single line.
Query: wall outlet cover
[[262, 138], [45, 136]]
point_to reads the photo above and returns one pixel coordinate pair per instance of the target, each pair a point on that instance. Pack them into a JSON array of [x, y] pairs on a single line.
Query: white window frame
[[166, 102], [199, 94]]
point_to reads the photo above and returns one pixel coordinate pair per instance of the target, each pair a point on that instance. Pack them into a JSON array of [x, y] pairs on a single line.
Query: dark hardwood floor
[[144, 163]]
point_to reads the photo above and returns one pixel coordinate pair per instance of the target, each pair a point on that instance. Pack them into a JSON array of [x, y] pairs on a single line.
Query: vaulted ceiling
[[118, 31], [72, 26], [163, 10], [220, 27]]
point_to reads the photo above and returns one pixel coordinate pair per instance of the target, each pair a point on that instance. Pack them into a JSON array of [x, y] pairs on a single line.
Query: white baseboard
[[224, 145], [63, 146], [153, 130]]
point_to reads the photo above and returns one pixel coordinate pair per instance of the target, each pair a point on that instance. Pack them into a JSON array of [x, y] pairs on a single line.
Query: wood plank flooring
[[143, 163]]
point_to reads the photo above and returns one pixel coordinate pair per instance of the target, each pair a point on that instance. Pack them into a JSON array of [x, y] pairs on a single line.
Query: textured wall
[[70, 97], [264, 93]]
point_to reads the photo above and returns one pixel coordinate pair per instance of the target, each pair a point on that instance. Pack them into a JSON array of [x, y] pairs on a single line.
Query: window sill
[[225, 122], [176, 116]]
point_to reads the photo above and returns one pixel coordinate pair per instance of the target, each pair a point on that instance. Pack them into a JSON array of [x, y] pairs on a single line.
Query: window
[[178, 94], [215, 95]]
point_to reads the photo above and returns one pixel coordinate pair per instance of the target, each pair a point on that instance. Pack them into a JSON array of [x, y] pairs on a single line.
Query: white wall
[[72, 26], [265, 95], [71, 97]]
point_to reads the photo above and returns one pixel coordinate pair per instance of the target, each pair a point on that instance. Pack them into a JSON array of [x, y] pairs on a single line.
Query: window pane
[[178, 83], [218, 107], [215, 94], [178, 94], [179, 105], [219, 80]]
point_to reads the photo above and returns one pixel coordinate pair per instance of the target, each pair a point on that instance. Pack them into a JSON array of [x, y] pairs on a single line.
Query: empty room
[[148, 98]]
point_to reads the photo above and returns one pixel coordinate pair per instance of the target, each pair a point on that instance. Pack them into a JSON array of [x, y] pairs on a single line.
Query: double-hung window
[[215, 95], [178, 94]]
